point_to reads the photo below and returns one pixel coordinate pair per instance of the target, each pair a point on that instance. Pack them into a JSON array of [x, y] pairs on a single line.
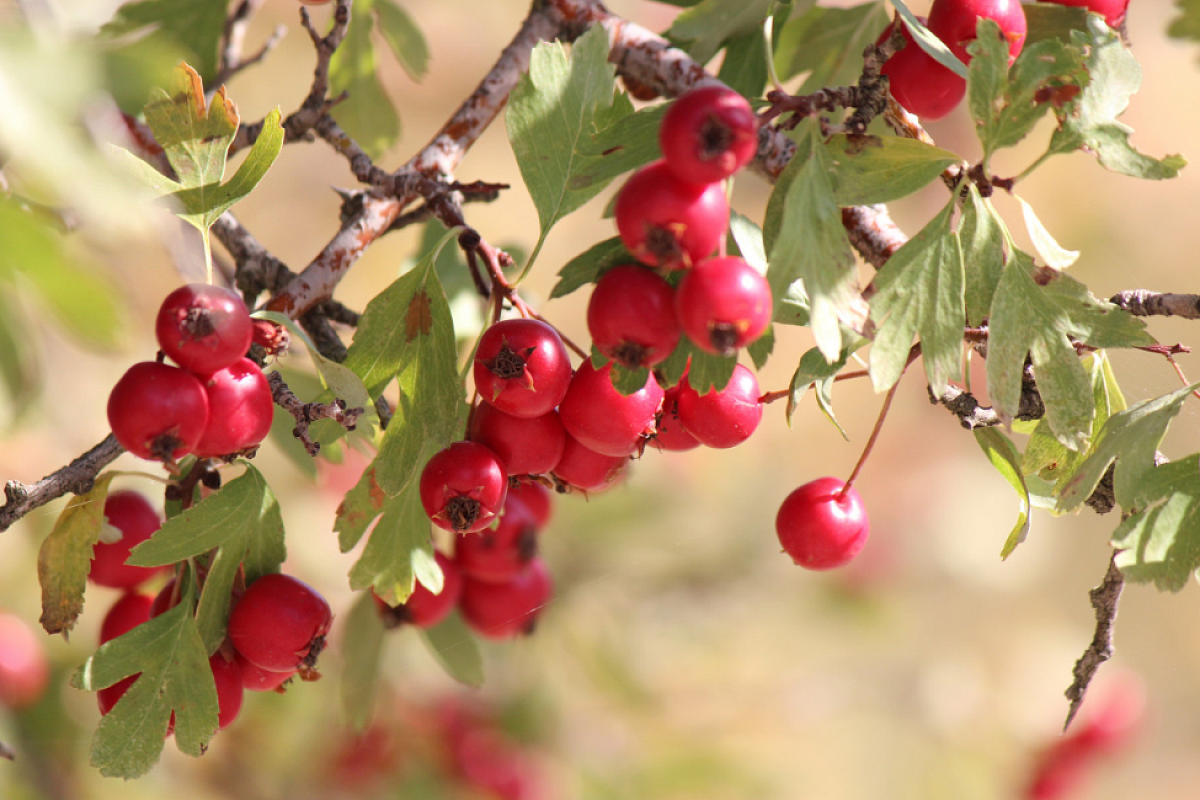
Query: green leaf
[[1130, 438], [1090, 121], [455, 648], [1038, 313], [744, 67], [19, 371], [1051, 252], [362, 651], [710, 23], [709, 372], [358, 509], [588, 266], [748, 241], [1160, 542], [65, 557], [880, 169], [553, 111], [828, 44], [175, 677], [243, 523], [981, 234], [367, 114], [622, 140], [1052, 21], [928, 42], [398, 544], [403, 37], [1003, 455], [191, 28], [920, 291], [624, 380], [805, 237], [1187, 24], [814, 372]]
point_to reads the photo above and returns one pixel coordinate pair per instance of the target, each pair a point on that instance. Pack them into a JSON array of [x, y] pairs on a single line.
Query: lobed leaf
[[981, 235], [1160, 542], [398, 543]]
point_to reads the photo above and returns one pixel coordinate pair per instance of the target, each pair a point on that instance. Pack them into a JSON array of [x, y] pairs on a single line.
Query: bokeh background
[[684, 656]]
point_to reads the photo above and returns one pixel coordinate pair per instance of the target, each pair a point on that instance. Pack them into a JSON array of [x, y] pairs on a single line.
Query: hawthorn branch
[[307, 413], [78, 477], [234, 37], [1105, 599], [1144, 303]]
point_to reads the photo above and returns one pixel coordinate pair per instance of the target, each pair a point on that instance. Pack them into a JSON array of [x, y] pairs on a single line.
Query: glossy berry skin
[[240, 410], [521, 367], [1113, 11], [723, 418], [665, 222], [504, 610], [670, 433], [708, 134], [131, 515], [536, 498], [280, 623], [230, 692], [130, 610], [723, 304], [500, 554], [524, 446], [203, 328], [631, 316], [158, 412], [24, 667], [918, 82], [821, 528], [463, 487], [601, 418], [257, 679], [954, 21], [588, 470], [423, 608]]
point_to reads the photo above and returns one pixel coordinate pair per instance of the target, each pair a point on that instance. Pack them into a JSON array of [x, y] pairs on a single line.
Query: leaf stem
[[887, 403]]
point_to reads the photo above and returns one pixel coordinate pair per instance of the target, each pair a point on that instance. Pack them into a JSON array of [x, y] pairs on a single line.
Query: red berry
[[954, 21], [1113, 11], [165, 600], [131, 610], [670, 433], [227, 674], [203, 328], [521, 367], [586, 469], [423, 608], [463, 487], [603, 419], [131, 518], [535, 497], [257, 679], [240, 410], [525, 446], [918, 82], [725, 418], [502, 610], [666, 222], [708, 134], [631, 316], [500, 554], [821, 527], [723, 304], [24, 668], [280, 623], [158, 412]]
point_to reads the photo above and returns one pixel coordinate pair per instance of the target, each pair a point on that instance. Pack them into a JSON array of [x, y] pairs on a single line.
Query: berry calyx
[[130, 520], [822, 525], [723, 304], [158, 412], [24, 667], [530, 446], [504, 610], [724, 418], [954, 22], [521, 367], [240, 410], [423, 608], [463, 487], [631, 316], [203, 328], [707, 134], [917, 81], [597, 415], [280, 623], [666, 222]]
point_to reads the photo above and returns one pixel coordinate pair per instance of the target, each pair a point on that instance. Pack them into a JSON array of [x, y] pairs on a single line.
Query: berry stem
[[887, 403]]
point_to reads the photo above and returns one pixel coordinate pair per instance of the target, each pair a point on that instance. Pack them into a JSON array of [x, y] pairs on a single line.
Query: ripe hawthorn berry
[[599, 417], [423, 608], [666, 222], [257, 679], [524, 446], [918, 82], [24, 668], [203, 328], [535, 497], [1113, 11], [954, 22], [227, 674], [707, 134], [631, 316], [820, 526], [503, 610], [280, 623], [130, 520], [521, 367], [670, 434], [723, 304], [500, 554], [586, 469], [240, 410], [724, 418], [463, 487], [158, 412]]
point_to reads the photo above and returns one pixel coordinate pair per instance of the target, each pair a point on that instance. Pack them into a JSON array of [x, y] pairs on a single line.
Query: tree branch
[[75, 478], [1144, 303], [1105, 599]]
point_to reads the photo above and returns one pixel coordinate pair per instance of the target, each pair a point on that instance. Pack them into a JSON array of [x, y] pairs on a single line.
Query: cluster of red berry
[[276, 630], [216, 403]]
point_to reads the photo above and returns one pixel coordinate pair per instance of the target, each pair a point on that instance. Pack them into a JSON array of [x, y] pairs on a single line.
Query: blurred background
[[683, 656]]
